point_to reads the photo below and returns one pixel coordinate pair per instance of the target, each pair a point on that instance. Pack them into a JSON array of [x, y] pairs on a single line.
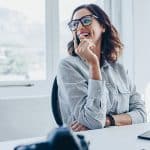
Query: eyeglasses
[[85, 21]]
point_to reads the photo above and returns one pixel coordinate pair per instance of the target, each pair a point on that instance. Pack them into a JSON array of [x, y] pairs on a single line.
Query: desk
[[113, 138]]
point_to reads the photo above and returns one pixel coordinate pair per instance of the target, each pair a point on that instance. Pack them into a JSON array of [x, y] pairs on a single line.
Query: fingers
[[81, 48], [89, 42], [85, 49], [78, 127], [82, 37], [74, 123], [84, 46], [91, 46]]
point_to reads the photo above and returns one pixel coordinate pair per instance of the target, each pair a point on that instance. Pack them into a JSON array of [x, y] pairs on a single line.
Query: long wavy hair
[[111, 46]]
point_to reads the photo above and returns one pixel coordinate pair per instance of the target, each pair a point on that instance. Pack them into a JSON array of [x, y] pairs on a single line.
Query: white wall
[[142, 49], [142, 43], [25, 117]]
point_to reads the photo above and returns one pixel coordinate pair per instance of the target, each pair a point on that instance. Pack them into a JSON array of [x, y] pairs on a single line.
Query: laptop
[[145, 135]]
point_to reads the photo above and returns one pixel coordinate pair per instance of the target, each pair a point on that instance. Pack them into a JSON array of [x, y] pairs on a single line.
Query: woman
[[94, 89]]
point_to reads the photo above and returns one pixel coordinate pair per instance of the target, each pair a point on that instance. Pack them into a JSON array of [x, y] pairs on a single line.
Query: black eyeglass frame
[[80, 21]]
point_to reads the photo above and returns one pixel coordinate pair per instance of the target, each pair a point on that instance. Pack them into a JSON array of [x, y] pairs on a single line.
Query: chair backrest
[[55, 103]]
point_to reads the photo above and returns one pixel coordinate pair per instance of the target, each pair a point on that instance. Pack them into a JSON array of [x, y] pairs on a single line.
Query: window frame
[[17, 89]]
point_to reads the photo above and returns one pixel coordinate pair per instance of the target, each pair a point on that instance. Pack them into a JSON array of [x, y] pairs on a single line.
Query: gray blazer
[[88, 101]]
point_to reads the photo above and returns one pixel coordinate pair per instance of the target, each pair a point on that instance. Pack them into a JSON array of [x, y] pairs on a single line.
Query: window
[[25, 55], [22, 46], [64, 18]]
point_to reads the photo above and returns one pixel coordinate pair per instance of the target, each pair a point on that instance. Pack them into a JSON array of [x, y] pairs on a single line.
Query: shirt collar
[[105, 64]]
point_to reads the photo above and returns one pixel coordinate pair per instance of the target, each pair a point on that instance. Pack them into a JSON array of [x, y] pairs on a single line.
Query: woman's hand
[[107, 122], [76, 126], [86, 50]]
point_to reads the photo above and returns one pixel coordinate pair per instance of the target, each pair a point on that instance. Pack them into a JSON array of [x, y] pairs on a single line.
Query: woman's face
[[92, 31]]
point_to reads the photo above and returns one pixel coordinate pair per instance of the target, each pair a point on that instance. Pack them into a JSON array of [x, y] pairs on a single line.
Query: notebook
[[145, 135]]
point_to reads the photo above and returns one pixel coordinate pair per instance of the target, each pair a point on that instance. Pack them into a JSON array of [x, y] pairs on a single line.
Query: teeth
[[84, 34]]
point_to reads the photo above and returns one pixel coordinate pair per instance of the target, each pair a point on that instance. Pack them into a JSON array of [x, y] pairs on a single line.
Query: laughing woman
[[93, 88]]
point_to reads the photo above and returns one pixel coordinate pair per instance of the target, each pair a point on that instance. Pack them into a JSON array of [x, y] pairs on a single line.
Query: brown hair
[[111, 45]]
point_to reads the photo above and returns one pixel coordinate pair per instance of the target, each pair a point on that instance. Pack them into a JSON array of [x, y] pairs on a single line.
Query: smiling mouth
[[86, 34]]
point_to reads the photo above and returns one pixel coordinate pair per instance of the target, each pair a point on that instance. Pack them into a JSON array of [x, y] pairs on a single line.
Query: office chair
[[55, 104]]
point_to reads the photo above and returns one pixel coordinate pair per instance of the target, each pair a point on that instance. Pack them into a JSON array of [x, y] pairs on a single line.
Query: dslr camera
[[59, 139]]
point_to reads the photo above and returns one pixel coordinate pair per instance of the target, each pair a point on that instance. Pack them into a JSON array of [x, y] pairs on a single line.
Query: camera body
[[59, 139]]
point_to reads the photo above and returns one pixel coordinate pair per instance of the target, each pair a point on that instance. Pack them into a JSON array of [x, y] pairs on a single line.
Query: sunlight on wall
[[147, 101]]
